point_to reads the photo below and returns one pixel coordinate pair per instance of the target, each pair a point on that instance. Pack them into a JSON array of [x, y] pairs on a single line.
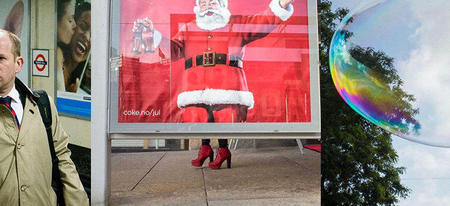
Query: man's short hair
[[15, 41], [82, 7]]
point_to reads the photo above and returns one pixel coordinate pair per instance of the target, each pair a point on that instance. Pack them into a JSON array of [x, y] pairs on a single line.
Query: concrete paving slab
[[266, 176], [265, 173], [145, 199], [307, 160], [174, 179], [128, 168], [264, 202]]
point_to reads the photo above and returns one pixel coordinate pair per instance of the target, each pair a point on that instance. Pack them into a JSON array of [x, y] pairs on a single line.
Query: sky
[[428, 46]]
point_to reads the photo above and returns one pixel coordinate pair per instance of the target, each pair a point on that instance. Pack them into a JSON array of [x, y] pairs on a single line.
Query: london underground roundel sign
[[40, 62]]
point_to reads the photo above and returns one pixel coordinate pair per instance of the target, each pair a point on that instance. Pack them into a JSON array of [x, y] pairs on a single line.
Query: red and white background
[[277, 67]]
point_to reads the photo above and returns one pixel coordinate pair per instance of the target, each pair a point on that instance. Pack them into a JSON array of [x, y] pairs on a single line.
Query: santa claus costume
[[214, 86]]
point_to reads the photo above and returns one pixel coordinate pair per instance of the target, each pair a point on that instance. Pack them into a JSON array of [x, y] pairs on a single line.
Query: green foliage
[[78, 2], [382, 69], [358, 160]]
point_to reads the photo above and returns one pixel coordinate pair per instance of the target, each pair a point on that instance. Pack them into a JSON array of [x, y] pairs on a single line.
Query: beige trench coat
[[25, 161]]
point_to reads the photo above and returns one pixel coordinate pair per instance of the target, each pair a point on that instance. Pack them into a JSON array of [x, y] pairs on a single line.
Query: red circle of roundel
[[40, 62]]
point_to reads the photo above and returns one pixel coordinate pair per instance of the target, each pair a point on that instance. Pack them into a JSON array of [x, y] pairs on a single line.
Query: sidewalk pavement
[[265, 176]]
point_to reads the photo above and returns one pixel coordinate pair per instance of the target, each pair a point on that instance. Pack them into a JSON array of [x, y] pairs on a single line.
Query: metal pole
[[100, 142]]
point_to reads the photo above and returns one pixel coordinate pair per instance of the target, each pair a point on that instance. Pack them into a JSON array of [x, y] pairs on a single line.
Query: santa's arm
[[262, 24], [279, 11]]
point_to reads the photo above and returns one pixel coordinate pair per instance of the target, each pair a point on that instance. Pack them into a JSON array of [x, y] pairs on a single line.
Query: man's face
[[9, 65], [210, 14], [208, 4], [81, 40]]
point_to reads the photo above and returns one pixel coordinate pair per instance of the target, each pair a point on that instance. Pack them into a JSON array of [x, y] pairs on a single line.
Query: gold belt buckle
[[209, 58]]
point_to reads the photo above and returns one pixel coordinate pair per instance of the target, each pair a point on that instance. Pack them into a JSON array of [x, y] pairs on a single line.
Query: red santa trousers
[[216, 113]]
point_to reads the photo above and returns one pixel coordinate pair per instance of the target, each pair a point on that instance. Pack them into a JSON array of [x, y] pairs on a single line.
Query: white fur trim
[[214, 97], [282, 13]]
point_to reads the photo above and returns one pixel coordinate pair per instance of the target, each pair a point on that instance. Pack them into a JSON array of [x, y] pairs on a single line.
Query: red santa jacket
[[213, 59]]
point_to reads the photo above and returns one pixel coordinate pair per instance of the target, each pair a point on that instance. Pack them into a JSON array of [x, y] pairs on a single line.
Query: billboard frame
[[213, 130]]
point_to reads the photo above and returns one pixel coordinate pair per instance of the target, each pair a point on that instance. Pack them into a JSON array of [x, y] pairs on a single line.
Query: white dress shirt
[[16, 104]]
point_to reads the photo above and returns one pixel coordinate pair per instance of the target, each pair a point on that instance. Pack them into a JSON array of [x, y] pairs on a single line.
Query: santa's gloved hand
[[284, 3]]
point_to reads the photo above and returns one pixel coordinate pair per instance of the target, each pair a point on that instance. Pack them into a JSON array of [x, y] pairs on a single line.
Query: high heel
[[222, 154], [211, 156], [205, 152]]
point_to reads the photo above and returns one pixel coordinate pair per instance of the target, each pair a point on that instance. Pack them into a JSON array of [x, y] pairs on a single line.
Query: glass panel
[[73, 54], [214, 61]]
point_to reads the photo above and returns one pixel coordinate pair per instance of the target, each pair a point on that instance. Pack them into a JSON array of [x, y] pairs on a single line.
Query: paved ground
[[264, 176]]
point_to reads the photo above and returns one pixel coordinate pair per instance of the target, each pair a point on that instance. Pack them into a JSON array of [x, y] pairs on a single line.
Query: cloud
[[425, 72], [423, 161], [427, 173], [427, 192]]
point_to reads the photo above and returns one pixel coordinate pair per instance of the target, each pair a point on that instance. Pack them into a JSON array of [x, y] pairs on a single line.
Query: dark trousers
[[215, 113], [222, 142]]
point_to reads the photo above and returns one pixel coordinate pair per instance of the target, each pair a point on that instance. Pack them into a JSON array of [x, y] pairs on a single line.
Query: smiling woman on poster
[[66, 26], [74, 63], [77, 62]]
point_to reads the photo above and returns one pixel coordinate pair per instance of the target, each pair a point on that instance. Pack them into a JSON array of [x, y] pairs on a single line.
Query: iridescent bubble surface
[[389, 60]]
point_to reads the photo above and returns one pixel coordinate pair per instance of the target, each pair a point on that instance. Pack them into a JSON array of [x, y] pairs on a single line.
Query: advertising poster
[[14, 17], [73, 52], [215, 61]]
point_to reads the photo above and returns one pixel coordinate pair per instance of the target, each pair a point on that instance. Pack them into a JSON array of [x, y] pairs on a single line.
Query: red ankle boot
[[222, 154], [205, 152]]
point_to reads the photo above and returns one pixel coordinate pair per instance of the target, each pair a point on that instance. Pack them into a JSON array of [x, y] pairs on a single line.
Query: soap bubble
[[389, 60]]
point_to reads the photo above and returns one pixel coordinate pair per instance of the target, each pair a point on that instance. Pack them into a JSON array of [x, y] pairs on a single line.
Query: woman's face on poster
[[66, 24], [81, 41]]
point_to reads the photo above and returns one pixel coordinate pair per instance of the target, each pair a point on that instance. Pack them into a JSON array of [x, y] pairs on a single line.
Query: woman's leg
[[199, 115], [223, 143], [206, 141], [226, 114], [229, 113]]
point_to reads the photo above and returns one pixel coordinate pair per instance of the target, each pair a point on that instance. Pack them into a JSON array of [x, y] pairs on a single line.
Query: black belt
[[210, 59]]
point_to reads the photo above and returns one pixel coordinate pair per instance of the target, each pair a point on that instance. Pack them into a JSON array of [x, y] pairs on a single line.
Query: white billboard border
[[199, 130], [101, 143]]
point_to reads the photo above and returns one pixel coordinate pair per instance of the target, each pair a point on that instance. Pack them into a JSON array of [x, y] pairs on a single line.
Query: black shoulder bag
[[46, 114]]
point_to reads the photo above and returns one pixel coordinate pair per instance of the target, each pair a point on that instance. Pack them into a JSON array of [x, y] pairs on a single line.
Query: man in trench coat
[[25, 160]]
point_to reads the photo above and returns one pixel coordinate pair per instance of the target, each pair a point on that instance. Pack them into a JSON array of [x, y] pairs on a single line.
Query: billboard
[[15, 17], [207, 64], [73, 52]]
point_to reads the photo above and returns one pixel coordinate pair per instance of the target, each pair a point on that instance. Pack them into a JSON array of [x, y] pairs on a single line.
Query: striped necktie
[[7, 102]]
